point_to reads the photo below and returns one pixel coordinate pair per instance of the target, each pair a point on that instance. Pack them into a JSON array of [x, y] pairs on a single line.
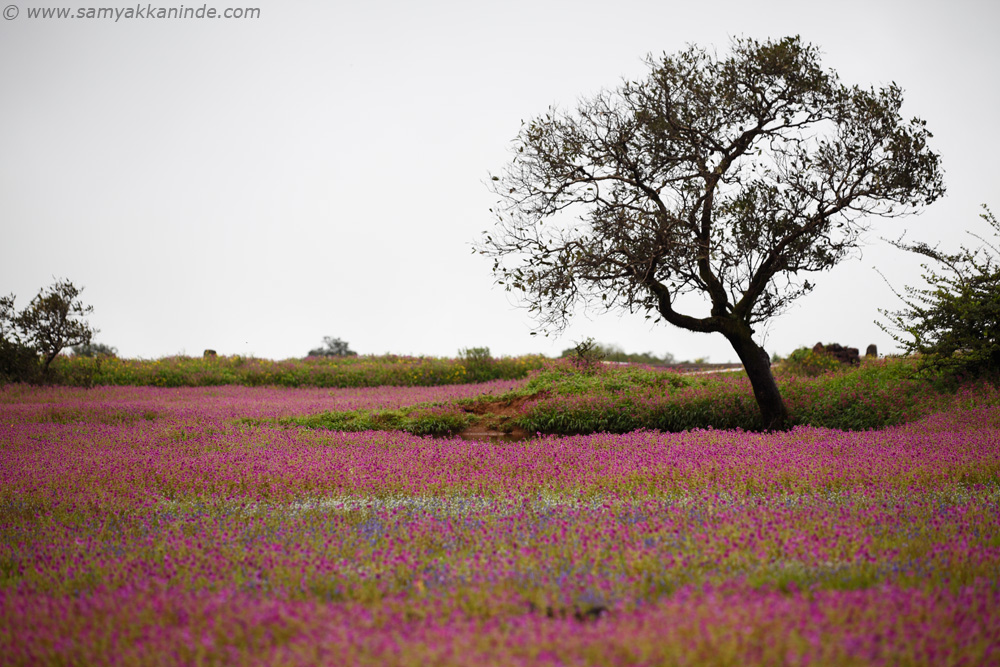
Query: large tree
[[730, 177]]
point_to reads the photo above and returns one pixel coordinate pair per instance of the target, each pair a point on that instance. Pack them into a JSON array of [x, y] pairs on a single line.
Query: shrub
[[424, 420], [478, 364], [18, 363], [954, 324], [95, 350], [806, 362], [585, 355]]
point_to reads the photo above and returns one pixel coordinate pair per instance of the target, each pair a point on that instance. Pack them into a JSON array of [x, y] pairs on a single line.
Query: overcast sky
[[253, 185]]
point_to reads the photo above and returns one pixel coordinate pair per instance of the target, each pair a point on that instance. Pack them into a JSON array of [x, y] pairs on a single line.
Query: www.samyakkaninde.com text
[[143, 12]]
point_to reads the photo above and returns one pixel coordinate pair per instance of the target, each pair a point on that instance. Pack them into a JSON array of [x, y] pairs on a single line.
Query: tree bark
[[765, 389]]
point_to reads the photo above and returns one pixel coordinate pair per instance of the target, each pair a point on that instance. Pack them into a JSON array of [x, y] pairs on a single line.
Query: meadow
[[202, 526]]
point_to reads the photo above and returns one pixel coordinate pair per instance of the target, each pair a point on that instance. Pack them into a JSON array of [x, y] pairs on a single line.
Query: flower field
[[146, 525]]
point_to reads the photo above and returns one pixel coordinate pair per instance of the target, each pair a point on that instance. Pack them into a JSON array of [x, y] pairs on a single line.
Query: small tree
[[585, 355], [332, 347], [96, 350], [51, 322], [724, 177], [955, 323]]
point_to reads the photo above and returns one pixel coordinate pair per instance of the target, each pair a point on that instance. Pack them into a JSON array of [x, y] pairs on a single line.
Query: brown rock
[[845, 355], [872, 351]]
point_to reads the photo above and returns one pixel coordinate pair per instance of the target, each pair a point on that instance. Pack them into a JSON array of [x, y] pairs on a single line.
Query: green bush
[[954, 324], [427, 420], [18, 363], [478, 364], [806, 362], [94, 350], [877, 394]]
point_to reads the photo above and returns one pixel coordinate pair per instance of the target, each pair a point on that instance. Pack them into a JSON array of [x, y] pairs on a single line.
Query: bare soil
[[495, 418]]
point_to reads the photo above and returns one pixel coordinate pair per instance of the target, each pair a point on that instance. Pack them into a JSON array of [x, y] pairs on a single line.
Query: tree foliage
[[954, 323], [95, 350], [726, 177], [52, 321], [333, 347]]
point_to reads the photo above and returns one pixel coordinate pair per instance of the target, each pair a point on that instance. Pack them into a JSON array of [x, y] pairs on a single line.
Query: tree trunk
[[49, 358], [765, 389]]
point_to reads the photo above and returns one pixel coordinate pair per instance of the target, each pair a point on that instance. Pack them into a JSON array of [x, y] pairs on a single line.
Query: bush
[[427, 420], [18, 363], [954, 324], [806, 362], [585, 355], [478, 364], [94, 350]]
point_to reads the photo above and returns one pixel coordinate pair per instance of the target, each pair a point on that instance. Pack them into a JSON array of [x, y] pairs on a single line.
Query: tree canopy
[[52, 322], [333, 347], [729, 177]]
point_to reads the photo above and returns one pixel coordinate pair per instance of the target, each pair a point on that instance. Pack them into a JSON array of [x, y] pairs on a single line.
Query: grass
[[560, 399]]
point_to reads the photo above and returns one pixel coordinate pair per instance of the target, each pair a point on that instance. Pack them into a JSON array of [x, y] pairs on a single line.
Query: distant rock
[[872, 351], [845, 355], [209, 354]]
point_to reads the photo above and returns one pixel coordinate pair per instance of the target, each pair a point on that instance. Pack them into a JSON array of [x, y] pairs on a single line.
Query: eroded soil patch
[[495, 418]]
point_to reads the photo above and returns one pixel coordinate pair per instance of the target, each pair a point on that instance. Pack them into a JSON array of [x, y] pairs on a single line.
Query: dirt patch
[[508, 407], [495, 418]]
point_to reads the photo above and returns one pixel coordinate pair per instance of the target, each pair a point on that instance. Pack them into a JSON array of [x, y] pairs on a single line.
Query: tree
[[333, 347], [50, 323], [95, 350], [955, 323], [725, 177]]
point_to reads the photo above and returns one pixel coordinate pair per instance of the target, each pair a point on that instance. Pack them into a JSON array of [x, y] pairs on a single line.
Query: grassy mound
[[560, 399]]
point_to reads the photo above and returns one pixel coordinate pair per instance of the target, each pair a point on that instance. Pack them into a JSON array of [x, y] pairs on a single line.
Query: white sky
[[253, 185]]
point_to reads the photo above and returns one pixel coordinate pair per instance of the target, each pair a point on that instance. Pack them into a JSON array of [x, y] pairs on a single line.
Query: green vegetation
[[31, 339], [954, 323], [95, 350], [323, 371], [479, 365], [807, 362], [594, 351], [782, 165], [429, 420], [561, 399]]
